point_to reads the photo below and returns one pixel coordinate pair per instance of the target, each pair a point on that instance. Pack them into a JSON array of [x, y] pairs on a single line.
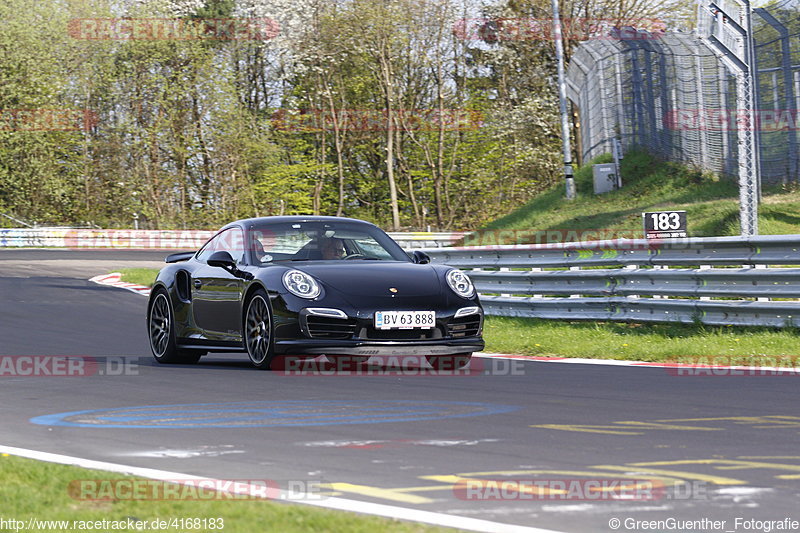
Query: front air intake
[[325, 327]]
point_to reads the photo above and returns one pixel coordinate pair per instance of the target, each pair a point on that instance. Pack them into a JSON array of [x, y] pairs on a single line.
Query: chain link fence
[[777, 45], [675, 95]]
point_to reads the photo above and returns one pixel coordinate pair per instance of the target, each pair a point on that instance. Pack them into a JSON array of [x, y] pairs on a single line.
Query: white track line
[[113, 280], [703, 363], [341, 504]]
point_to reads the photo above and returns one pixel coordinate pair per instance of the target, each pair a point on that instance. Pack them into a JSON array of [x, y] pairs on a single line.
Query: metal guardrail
[[164, 239], [104, 238], [716, 281], [426, 239]]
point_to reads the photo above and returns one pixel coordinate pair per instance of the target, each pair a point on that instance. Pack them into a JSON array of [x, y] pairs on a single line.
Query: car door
[[216, 293]]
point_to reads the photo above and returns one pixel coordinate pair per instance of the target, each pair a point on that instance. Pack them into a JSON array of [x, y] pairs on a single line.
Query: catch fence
[[677, 96]]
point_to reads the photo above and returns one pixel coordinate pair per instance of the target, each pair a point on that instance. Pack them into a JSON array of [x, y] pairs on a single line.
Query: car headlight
[[300, 284], [460, 283]]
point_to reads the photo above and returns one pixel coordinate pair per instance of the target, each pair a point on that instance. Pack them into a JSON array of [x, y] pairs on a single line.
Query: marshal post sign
[[664, 224]]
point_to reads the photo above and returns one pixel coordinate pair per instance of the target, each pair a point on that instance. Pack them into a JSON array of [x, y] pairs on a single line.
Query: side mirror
[[221, 259], [420, 258]]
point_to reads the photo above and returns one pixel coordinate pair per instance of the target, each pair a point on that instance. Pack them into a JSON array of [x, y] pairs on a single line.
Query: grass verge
[[35, 489], [711, 204], [141, 276], [642, 342]]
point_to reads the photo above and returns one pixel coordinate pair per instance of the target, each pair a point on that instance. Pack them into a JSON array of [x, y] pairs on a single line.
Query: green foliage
[[185, 136]]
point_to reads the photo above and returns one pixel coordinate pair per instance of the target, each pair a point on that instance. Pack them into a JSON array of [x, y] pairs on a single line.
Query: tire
[[449, 362], [161, 332], [257, 331]]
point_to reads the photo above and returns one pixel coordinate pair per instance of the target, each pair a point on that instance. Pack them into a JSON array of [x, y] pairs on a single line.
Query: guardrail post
[[632, 267], [659, 267], [536, 269], [574, 295], [704, 267], [505, 269], [764, 299]]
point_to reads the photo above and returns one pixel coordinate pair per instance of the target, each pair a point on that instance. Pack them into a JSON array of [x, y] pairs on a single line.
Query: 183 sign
[[664, 224]]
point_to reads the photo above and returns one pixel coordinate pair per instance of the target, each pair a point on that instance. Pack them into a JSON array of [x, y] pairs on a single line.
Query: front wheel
[[258, 331], [161, 327], [449, 362]]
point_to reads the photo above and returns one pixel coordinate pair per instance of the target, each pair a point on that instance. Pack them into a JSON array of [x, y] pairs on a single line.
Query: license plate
[[405, 319]]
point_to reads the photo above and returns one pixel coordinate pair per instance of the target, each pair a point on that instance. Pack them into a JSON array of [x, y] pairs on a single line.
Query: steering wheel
[[353, 256]]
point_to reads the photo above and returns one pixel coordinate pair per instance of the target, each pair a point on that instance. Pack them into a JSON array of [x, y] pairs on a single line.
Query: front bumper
[[370, 347]]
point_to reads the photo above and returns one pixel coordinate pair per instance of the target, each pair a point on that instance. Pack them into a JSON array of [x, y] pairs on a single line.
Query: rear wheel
[[449, 362], [161, 327], [258, 331]]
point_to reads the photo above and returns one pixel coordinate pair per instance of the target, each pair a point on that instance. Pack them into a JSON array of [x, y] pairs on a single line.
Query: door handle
[[198, 284]]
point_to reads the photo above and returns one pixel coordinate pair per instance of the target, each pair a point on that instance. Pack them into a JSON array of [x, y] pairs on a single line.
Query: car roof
[[248, 222]]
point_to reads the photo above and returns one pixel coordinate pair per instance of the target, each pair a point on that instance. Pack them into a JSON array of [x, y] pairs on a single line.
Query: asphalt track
[[726, 447]]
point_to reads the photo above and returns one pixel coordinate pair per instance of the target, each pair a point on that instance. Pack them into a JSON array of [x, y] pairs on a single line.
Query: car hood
[[376, 278]]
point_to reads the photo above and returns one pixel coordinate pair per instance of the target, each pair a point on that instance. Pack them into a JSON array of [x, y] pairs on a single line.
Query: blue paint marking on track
[[290, 413]]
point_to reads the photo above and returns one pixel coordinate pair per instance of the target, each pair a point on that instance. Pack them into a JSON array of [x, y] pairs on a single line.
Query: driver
[[259, 251], [332, 248]]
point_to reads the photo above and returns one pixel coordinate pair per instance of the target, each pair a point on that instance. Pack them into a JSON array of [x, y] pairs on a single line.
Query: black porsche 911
[[310, 286]]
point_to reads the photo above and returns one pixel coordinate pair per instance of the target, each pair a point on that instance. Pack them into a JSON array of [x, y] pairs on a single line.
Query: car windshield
[[322, 241]]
